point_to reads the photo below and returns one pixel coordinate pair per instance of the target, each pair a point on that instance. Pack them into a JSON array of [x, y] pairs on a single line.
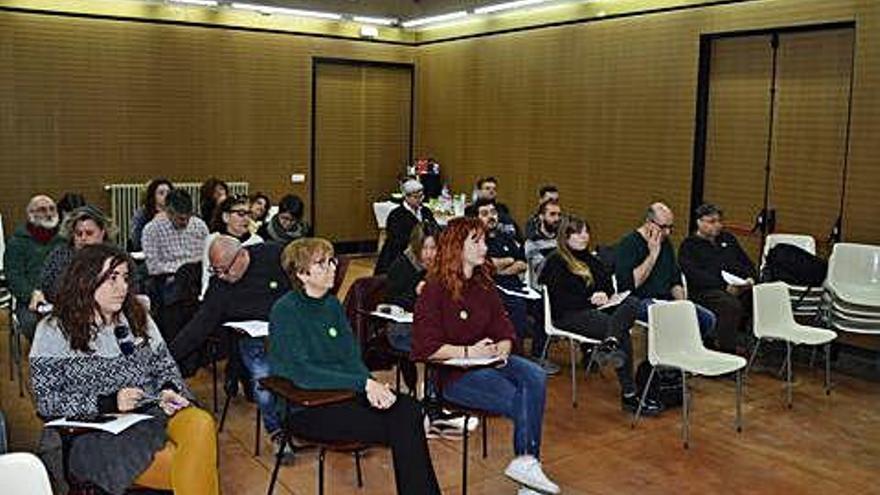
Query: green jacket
[[23, 261]]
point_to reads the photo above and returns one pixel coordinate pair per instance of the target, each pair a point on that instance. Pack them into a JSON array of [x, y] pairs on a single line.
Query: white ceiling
[[405, 9]]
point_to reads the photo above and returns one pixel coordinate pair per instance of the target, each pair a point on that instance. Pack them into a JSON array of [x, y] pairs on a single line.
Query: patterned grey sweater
[[69, 383]]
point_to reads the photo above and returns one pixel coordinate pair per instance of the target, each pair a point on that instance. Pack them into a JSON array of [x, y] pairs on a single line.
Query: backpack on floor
[[666, 386]]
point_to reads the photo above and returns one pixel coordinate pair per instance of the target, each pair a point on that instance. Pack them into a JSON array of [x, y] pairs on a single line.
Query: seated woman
[[287, 225], [578, 285], [100, 353], [460, 314], [233, 218], [212, 192], [84, 226], [260, 206], [311, 344], [154, 203]]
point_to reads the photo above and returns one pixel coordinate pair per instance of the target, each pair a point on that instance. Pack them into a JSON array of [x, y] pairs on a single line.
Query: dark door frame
[[698, 171], [366, 245]]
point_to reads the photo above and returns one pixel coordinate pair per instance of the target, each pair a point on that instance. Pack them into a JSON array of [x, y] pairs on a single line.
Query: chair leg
[[546, 350], [19, 362], [788, 384], [484, 425], [642, 398], [285, 438], [357, 468], [464, 456], [685, 416], [739, 384], [321, 455], [223, 414], [752, 357], [573, 360], [257, 435], [828, 368]]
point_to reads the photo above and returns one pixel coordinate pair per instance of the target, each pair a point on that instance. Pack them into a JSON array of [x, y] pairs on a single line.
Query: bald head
[[42, 212], [659, 216], [222, 250]]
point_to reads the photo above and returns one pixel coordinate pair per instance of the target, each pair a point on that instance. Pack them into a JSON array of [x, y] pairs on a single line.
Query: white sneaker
[[458, 423], [526, 470], [524, 490]]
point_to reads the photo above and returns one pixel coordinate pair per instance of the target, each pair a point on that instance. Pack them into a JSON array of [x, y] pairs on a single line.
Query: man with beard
[[542, 239], [546, 193], [26, 250]]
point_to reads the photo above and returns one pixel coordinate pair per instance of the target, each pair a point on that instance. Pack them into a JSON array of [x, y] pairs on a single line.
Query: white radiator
[[125, 199]]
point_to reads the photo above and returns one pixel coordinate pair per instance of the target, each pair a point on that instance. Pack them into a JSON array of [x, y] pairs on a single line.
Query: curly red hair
[[448, 267]]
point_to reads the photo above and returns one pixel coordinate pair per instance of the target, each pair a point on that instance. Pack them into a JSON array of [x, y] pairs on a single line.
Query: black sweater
[[400, 223], [570, 292], [403, 278], [702, 260]]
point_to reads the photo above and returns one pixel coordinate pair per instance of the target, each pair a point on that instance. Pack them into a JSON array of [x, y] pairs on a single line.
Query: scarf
[[41, 234]]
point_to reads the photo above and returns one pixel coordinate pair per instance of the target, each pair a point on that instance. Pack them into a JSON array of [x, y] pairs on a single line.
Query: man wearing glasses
[[645, 264], [245, 283], [401, 222]]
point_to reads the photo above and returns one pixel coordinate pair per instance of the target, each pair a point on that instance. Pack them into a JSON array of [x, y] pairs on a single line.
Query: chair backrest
[[855, 264], [672, 330], [549, 329], [771, 304], [382, 210], [805, 242], [24, 474], [362, 297]]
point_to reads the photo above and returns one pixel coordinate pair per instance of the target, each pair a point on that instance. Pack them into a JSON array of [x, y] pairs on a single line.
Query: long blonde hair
[[569, 226]]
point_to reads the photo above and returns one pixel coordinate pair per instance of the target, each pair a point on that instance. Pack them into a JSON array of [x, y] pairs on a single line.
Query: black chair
[[287, 391]]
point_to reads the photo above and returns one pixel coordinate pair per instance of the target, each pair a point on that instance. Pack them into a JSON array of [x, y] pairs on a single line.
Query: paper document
[[254, 328], [472, 361], [393, 312], [524, 292], [121, 423], [615, 299], [731, 279]]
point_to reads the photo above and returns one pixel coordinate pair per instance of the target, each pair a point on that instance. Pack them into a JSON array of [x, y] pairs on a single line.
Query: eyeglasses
[[669, 227], [327, 263], [241, 213], [223, 270], [123, 338]]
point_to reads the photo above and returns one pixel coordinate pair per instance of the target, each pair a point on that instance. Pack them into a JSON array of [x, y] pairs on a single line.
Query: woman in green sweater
[[311, 344]]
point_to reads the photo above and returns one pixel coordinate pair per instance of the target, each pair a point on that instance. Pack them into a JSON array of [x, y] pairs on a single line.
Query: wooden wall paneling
[[738, 124], [806, 175]]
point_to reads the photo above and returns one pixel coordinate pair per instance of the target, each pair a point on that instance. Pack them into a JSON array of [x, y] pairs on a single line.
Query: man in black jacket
[[703, 257], [401, 221], [246, 283]]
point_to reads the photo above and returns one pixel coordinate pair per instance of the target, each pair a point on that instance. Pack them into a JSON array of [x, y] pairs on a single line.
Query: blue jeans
[[705, 318], [255, 359], [517, 390], [400, 336]]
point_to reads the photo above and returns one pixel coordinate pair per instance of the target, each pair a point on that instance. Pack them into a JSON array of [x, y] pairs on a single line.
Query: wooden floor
[[824, 445]]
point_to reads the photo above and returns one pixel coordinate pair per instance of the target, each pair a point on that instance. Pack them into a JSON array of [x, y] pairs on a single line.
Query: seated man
[[171, 240], [646, 266], [400, 223], [507, 256], [547, 193], [703, 256], [542, 240], [487, 188], [246, 283], [26, 252]]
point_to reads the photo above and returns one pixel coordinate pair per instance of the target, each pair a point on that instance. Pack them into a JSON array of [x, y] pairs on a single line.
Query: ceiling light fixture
[[507, 6], [266, 9], [203, 3], [434, 19], [380, 21]]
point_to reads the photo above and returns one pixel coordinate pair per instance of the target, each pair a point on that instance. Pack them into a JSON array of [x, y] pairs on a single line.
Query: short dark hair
[[484, 180], [707, 209], [473, 210], [547, 188], [542, 208], [293, 205], [179, 201]]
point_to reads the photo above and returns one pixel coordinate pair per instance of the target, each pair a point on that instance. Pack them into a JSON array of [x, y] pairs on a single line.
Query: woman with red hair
[[460, 315]]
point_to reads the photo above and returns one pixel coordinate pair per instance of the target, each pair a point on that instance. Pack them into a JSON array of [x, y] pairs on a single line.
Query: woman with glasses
[[287, 225], [101, 353], [233, 218], [460, 315], [311, 344]]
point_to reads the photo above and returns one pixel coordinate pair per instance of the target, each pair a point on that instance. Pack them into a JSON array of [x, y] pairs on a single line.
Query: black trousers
[[730, 311], [399, 427], [615, 322]]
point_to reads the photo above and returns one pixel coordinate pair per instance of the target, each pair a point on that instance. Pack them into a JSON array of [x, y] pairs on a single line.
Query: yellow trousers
[[188, 463]]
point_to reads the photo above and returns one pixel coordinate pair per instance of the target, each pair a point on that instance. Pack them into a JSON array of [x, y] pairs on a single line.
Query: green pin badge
[[332, 332]]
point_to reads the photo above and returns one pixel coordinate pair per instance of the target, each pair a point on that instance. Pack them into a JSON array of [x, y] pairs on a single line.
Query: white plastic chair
[[23, 474], [774, 320], [552, 332], [674, 342], [854, 274]]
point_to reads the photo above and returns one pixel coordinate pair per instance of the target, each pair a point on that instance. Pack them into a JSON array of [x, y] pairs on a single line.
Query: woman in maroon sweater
[[460, 314]]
